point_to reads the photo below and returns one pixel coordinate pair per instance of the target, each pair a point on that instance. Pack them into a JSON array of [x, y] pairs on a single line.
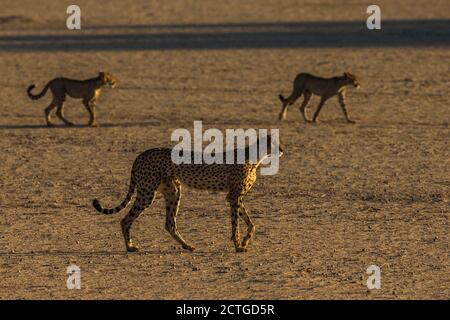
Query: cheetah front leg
[[344, 109], [250, 226], [90, 107], [171, 189]]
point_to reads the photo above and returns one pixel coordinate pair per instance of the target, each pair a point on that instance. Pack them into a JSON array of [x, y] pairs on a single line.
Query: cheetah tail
[[37, 96], [282, 99], [124, 203]]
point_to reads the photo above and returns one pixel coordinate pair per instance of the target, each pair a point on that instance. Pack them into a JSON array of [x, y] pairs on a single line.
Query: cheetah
[[307, 84], [154, 171], [89, 90]]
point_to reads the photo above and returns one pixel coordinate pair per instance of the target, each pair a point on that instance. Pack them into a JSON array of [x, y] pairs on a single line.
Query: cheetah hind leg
[[171, 190], [250, 226], [140, 204], [306, 96], [60, 114], [235, 234], [48, 112]]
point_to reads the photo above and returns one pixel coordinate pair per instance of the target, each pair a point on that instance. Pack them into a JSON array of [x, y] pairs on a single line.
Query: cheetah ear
[[102, 75], [349, 75]]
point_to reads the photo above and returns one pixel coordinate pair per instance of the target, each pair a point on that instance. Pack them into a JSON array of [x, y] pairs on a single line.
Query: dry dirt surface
[[346, 196]]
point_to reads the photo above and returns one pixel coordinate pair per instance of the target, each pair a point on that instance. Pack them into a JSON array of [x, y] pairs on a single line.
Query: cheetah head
[[107, 79], [276, 142], [351, 79]]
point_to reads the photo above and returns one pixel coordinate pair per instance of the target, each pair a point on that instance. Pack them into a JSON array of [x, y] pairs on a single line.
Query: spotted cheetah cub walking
[[88, 90], [154, 171], [306, 84]]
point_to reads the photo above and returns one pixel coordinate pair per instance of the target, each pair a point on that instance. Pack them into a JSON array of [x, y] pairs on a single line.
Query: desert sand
[[346, 196]]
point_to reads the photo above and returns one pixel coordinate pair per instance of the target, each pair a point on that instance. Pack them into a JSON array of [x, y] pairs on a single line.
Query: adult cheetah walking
[[154, 171]]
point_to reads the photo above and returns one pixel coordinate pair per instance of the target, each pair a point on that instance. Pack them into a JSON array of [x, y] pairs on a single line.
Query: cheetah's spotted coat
[[153, 171]]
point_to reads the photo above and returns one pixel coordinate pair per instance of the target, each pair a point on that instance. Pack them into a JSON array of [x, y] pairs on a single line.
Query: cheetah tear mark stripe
[[124, 203], [37, 96]]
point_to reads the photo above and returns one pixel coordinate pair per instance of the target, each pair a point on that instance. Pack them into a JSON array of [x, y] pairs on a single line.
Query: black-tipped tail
[[31, 88], [39, 95], [96, 204]]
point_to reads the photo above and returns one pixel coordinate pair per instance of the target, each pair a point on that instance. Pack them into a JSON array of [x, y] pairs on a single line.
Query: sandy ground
[[346, 196]]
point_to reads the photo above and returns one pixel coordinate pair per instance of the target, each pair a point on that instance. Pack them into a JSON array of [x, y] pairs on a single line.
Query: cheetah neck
[[342, 82]]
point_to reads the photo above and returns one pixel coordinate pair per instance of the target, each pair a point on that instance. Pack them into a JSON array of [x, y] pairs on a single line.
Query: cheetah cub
[[154, 171], [88, 90], [307, 84]]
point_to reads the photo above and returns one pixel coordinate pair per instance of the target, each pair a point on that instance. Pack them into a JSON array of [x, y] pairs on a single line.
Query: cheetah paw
[[132, 248]]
